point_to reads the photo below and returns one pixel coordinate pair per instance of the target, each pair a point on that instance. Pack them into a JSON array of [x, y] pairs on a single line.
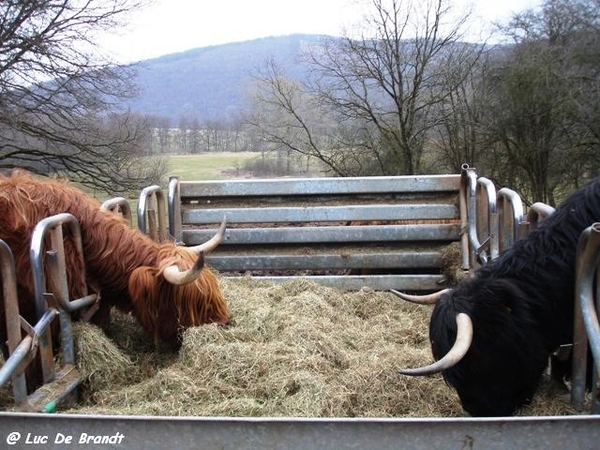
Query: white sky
[[169, 26]]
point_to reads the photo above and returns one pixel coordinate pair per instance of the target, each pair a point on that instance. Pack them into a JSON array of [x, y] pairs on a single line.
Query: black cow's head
[[506, 356]]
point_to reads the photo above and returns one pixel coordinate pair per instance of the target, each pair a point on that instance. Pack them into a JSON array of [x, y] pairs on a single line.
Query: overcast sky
[[170, 26]]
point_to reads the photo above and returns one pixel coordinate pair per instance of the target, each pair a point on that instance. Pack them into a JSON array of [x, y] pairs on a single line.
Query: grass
[[209, 166]]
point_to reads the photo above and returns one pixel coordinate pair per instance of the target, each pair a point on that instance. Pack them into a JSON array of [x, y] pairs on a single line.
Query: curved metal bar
[[52, 225], [538, 212], [587, 326], [513, 220], [152, 229], [118, 205], [488, 229], [468, 188]]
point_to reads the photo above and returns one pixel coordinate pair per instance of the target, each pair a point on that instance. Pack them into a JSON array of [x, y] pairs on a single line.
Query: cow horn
[[212, 243], [464, 337], [429, 299], [174, 276]]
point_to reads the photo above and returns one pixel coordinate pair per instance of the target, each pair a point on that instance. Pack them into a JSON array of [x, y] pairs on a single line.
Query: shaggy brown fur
[[124, 263]]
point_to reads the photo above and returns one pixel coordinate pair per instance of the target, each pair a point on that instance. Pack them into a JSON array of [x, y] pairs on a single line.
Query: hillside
[[211, 82]]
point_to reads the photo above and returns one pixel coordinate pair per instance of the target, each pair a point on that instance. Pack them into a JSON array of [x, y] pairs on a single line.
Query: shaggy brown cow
[[165, 286]]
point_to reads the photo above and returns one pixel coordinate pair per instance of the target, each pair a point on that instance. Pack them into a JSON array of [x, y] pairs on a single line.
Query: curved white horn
[[174, 276], [213, 242], [464, 337], [428, 299]]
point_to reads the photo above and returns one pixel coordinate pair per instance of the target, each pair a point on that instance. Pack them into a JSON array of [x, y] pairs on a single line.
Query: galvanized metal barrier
[[493, 220], [52, 294], [21, 350], [382, 232], [61, 431], [51, 299], [587, 326], [119, 206], [151, 213]]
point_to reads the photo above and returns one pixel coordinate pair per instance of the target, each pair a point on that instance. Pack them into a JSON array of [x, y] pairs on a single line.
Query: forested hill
[[212, 82]]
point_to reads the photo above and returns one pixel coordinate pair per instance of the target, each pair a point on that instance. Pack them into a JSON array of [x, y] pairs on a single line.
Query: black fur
[[521, 305]]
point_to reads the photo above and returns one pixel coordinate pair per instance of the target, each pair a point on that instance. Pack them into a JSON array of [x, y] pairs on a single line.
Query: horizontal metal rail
[[321, 235], [319, 186], [322, 213], [60, 431]]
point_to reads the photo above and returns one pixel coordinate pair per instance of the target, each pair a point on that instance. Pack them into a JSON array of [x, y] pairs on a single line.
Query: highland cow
[[513, 314], [166, 287]]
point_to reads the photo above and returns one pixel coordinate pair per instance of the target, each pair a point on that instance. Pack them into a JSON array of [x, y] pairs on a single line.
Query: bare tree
[[379, 89], [58, 94]]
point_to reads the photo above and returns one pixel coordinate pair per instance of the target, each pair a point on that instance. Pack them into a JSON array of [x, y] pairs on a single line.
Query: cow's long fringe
[[124, 263], [196, 303]]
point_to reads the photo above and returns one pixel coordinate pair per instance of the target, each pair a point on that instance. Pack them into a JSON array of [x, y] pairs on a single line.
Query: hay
[[452, 264], [295, 349]]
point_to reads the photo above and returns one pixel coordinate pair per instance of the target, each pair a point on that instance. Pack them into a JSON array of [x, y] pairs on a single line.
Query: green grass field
[[209, 166]]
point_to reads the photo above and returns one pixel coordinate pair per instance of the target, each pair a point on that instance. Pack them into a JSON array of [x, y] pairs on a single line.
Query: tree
[[542, 99], [459, 136], [378, 90], [58, 94]]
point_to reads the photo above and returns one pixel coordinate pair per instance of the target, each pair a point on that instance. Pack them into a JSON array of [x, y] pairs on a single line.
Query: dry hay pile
[[295, 349]]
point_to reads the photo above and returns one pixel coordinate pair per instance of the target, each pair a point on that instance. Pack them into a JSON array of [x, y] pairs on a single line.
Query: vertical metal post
[[53, 226], [587, 325], [511, 218], [12, 316], [149, 222], [174, 198], [487, 224]]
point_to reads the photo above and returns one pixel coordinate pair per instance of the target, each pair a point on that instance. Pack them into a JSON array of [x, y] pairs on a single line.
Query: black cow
[[521, 310]]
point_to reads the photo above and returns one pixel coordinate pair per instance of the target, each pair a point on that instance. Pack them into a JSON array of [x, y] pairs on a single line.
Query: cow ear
[[501, 294]]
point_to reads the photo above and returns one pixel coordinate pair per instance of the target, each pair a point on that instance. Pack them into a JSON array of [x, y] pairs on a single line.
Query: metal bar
[[588, 253], [40, 231], [464, 221], [53, 226], [147, 195], [270, 261], [322, 213], [320, 186], [305, 235], [376, 282], [487, 224], [27, 346], [510, 212], [12, 315], [59, 287], [174, 204], [149, 433], [469, 179], [118, 205], [538, 212]]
